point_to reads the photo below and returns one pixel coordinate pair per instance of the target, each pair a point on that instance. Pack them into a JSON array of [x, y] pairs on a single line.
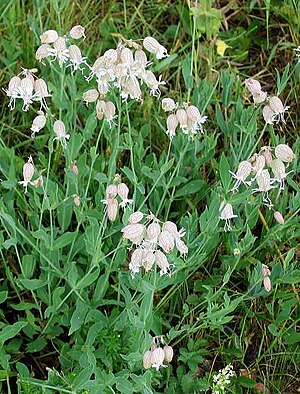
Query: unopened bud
[[278, 217], [49, 37], [77, 32]]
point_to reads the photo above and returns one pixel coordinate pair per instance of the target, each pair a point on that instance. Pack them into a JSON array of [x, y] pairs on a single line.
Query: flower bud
[[259, 164], [74, 168], [77, 32], [284, 153], [267, 283], [28, 170], [265, 270], [49, 37], [168, 350], [278, 217], [76, 200], [267, 155], [110, 111]]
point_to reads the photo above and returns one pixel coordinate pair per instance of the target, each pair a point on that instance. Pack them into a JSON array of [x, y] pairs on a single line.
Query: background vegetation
[[72, 318]]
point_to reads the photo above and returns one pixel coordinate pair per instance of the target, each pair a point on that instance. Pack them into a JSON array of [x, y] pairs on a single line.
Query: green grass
[[73, 320]]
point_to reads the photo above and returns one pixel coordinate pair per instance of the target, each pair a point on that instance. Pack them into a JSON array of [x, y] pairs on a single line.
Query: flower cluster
[[114, 190], [274, 109], [157, 356], [29, 89], [187, 117], [58, 48], [153, 241], [222, 379], [124, 68], [267, 169], [266, 273]]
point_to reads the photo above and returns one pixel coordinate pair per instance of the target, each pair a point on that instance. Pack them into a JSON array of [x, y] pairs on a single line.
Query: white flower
[[157, 358], [243, 171], [37, 124], [77, 32], [28, 172], [284, 153], [168, 104], [76, 58], [278, 109], [153, 46], [134, 232], [60, 131], [226, 214], [123, 191], [49, 37]]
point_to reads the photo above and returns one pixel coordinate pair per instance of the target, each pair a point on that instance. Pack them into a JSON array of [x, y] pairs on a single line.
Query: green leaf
[[11, 331], [78, 316], [32, 284], [224, 172], [64, 240], [190, 188]]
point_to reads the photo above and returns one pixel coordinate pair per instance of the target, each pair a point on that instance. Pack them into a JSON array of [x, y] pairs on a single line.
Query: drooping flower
[[60, 131], [37, 124], [154, 47], [77, 32], [28, 172], [243, 171], [226, 214], [284, 153]]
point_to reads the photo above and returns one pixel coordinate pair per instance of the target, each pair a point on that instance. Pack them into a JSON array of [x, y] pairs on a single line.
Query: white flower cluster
[[153, 240], [274, 109], [222, 379], [114, 190], [58, 48], [187, 117], [266, 273], [124, 68], [29, 89], [157, 356], [257, 169]]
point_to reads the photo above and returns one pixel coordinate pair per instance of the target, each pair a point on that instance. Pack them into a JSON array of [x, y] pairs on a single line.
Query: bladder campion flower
[[226, 214], [37, 124], [154, 47], [60, 131], [284, 153], [28, 172]]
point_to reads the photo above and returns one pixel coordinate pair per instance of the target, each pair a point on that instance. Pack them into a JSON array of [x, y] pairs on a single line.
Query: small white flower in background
[[60, 131], [172, 123], [28, 172], [90, 96], [284, 153], [226, 214], [278, 217], [77, 32], [135, 217], [37, 124], [154, 47], [222, 379], [112, 209], [43, 52], [266, 273], [76, 200]]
